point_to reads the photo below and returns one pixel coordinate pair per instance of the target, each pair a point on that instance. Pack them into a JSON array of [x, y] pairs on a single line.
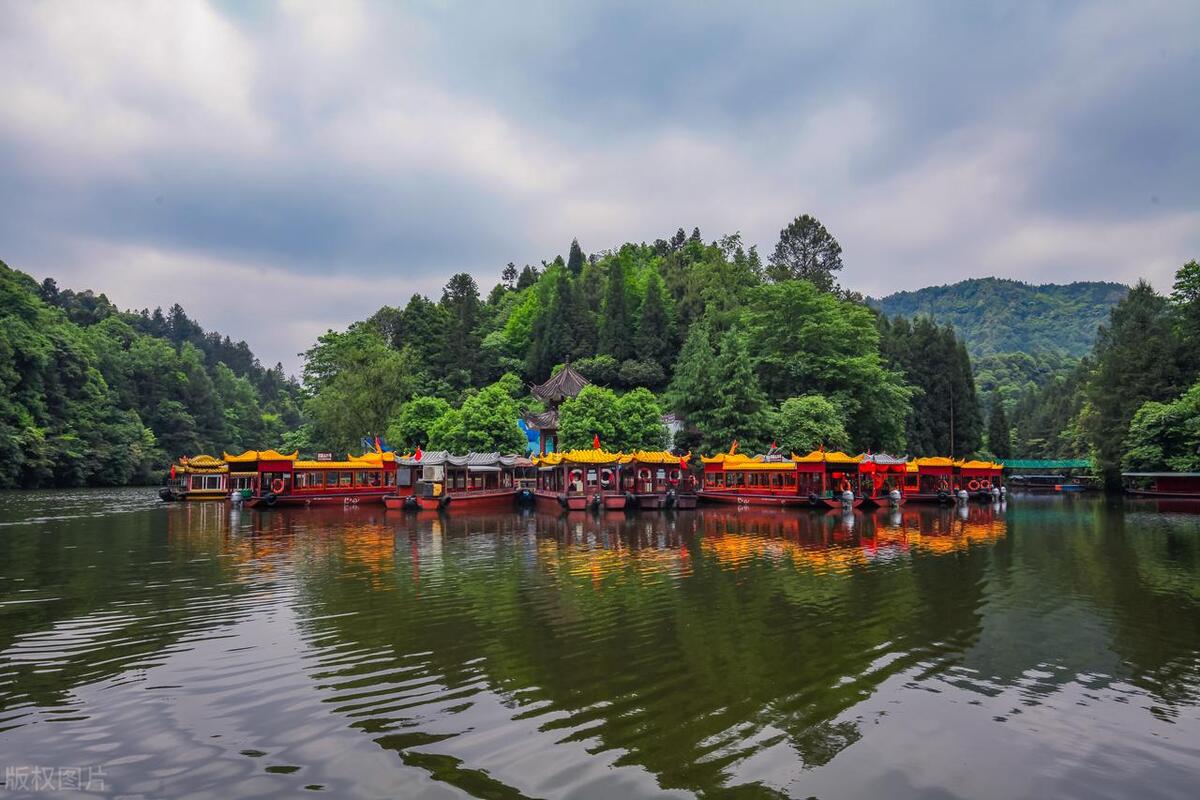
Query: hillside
[[995, 316], [92, 395]]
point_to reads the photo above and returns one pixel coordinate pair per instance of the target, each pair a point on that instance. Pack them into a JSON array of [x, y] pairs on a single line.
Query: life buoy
[[576, 475], [673, 476], [644, 474], [277, 486], [605, 477], [985, 484], [973, 485]]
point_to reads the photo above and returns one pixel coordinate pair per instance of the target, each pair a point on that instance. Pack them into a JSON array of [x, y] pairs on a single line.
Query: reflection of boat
[[1166, 485]]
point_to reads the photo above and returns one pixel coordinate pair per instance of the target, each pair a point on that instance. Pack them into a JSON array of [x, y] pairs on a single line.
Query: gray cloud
[[316, 160]]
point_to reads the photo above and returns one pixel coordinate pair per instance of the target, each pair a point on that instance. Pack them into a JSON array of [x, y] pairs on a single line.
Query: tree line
[[1134, 402]]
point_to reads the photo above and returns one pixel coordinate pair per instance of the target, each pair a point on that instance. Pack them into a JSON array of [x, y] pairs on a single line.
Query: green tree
[[593, 412], [806, 251], [575, 259], [999, 431], [738, 411], [461, 305], [410, 427], [653, 341], [806, 423], [639, 422], [616, 333], [1165, 436], [1137, 360]]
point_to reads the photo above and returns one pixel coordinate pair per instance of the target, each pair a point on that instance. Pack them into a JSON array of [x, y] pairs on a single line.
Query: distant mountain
[[995, 315]]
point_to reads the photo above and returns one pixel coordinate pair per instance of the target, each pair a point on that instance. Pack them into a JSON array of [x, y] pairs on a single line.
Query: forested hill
[[95, 395], [995, 315]]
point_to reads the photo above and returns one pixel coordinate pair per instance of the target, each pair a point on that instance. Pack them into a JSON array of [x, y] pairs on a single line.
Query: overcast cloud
[[283, 169]]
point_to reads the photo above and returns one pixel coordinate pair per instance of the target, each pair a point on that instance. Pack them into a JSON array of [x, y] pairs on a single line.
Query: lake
[[1047, 648]]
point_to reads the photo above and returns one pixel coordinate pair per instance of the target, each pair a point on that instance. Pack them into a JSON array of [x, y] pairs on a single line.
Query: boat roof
[[883, 459], [1160, 474], [744, 462], [828, 457], [579, 457]]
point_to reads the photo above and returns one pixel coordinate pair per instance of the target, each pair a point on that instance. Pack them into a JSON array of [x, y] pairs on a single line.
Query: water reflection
[[368, 652]]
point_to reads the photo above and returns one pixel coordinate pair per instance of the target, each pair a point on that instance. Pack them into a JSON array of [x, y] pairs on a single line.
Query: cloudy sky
[[281, 169]]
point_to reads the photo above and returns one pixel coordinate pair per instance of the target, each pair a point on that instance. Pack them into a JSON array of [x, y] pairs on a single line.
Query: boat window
[[345, 478], [777, 481], [789, 479]]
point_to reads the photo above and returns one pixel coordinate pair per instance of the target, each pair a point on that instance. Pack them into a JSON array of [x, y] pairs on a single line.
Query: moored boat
[[981, 480], [832, 479], [656, 479], [882, 479], [929, 480], [197, 478], [1166, 485], [577, 480], [284, 480], [477, 481], [762, 480]]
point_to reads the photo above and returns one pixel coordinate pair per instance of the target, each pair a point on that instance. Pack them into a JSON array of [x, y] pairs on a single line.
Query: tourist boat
[[981, 480], [882, 479], [1046, 484], [577, 480], [762, 480], [657, 479], [283, 480], [832, 479], [473, 481], [243, 473], [197, 478], [1168, 485], [929, 480]]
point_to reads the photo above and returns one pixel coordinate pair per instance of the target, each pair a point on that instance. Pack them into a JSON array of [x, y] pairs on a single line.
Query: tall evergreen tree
[[653, 340], [461, 304], [575, 259], [738, 412], [616, 333], [806, 251], [999, 431], [509, 276], [1137, 359]]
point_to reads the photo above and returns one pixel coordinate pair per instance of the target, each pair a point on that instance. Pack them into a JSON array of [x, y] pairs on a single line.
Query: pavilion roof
[[564, 384], [545, 420]]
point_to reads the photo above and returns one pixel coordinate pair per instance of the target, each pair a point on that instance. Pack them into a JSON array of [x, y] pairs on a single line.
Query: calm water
[[1046, 649]]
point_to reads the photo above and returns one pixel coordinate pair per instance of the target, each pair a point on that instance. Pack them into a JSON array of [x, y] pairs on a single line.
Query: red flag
[[774, 445], [378, 446], [733, 448], [417, 455], [596, 441], [172, 472]]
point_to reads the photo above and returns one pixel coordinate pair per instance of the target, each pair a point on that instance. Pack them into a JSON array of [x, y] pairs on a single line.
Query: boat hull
[[685, 501], [650, 502], [284, 500], [837, 503], [400, 503], [775, 501], [477, 501], [918, 497]]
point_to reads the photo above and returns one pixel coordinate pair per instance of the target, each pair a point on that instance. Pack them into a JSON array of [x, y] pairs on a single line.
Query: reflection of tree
[[679, 643], [111, 597]]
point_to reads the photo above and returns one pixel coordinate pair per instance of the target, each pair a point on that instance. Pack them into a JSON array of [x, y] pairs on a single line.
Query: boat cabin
[[881, 475], [1176, 485], [929, 480], [576, 480], [474, 480], [286, 480], [658, 479], [982, 480], [197, 478], [833, 479], [762, 480]]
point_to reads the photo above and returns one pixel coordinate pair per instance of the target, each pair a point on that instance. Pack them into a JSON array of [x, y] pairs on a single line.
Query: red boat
[[478, 481], [929, 480], [832, 479], [1164, 485], [578, 480], [981, 480], [285, 481], [760, 480], [658, 479], [881, 478]]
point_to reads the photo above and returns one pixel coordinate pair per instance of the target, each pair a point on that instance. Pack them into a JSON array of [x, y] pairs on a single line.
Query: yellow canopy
[[978, 465], [934, 461], [246, 457], [655, 457], [351, 464], [737, 461], [580, 457], [202, 464], [828, 457]]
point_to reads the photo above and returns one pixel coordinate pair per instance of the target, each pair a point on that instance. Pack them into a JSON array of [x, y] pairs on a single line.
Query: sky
[[281, 169]]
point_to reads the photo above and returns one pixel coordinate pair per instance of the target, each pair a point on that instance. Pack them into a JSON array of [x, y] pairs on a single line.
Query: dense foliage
[[93, 395], [1131, 401], [995, 315]]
